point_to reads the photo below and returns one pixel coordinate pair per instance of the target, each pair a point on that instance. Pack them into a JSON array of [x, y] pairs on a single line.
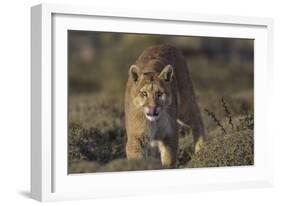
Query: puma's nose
[[153, 110]]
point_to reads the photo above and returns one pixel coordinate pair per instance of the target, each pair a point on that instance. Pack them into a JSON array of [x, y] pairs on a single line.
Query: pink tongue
[[152, 110]]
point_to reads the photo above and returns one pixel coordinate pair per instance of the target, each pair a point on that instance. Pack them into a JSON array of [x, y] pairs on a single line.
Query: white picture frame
[[49, 178]]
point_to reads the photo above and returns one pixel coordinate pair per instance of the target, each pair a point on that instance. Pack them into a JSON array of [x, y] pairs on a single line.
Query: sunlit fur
[[157, 94]]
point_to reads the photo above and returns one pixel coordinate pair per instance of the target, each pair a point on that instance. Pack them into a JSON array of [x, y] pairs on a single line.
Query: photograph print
[[149, 102]]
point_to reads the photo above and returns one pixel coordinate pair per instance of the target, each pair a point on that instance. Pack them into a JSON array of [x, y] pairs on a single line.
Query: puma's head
[[152, 91]]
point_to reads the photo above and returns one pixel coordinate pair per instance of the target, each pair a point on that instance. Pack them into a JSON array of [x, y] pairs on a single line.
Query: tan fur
[[160, 78]]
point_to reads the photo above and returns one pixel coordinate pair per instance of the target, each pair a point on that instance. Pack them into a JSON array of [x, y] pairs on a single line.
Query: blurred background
[[98, 64], [99, 61]]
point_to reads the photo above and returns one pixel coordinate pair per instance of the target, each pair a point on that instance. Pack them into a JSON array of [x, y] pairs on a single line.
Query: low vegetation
[[97, 139]]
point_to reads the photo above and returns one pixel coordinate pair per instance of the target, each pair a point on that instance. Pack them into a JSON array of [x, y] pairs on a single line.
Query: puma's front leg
[[135, 149], [168, 154]]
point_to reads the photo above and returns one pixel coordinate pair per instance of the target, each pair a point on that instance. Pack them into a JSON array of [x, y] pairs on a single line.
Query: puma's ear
[[134, 72], [167, 73]]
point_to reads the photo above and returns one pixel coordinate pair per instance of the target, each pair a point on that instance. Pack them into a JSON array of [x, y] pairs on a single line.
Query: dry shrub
[[97, 139], [235, 148]]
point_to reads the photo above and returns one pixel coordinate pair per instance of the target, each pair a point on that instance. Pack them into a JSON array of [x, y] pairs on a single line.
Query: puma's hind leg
[[197, 127]]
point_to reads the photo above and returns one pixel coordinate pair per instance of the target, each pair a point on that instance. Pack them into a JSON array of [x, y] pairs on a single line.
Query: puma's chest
[[159, 129]]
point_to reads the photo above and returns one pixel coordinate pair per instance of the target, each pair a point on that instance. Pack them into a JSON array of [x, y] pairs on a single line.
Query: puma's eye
[[144, 94], [159, 94]]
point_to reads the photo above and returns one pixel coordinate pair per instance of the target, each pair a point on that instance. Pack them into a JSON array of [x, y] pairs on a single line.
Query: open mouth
[[152, 113], [155, 114], [152, 117]]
